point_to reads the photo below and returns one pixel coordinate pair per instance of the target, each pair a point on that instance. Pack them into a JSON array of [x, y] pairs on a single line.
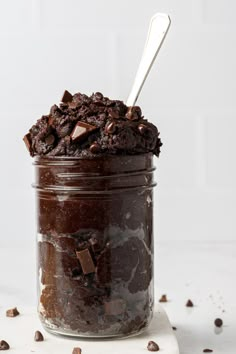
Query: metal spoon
[[158, 28]]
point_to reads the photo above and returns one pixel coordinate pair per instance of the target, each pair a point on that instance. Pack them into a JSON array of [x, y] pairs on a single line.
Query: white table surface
[[203, 272]]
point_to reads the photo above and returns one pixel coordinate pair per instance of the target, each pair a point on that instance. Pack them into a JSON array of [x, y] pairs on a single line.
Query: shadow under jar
[[95, 244]]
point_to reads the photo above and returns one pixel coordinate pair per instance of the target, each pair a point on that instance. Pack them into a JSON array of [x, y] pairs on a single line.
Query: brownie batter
[[94, 179], [88, 126]]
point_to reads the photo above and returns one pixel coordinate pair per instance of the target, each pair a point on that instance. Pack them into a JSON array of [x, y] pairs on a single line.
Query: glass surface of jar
[[95, 244]]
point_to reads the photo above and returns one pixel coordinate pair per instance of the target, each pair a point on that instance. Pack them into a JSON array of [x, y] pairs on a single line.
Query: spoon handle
[[158, 29]]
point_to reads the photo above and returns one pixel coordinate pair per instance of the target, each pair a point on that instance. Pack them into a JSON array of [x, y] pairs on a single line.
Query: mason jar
[[95, 244]]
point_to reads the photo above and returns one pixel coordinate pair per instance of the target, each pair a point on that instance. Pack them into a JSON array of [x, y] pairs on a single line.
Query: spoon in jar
[[158, 28]]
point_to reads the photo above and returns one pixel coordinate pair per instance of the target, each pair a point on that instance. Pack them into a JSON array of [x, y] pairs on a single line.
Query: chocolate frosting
[[83, 126]]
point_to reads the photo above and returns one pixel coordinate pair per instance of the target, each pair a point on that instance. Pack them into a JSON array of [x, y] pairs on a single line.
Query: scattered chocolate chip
[[142, 129], [174, 328], [95, 148], [110, 128], [207, 350], [81, 131], [38, 337], [12, 312], [27, 141], [86, 261], [163, 298], [115, 307], [77, 351], [134, 113], [67, 97], [153, 346], [4, 345], [49, 140], [189, 303], [218, 322]]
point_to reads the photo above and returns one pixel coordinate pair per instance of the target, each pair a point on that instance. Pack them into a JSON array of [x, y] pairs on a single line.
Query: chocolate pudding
[[94, 180]]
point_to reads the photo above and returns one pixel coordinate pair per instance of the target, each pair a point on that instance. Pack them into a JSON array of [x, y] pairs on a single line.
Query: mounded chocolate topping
[[83, 126]]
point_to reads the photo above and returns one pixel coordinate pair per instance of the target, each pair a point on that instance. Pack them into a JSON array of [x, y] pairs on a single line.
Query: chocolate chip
[[163, 298], [174, 328], [110, 128], [81, 131], [218, 322], [77, 351], [86, 261], [38, 337], [4, 345], [113, 113], [115, 307], [95, 148], [153, 346], [207, 350], [67, 97], [134, 113], [49, 140], [98, 96], [142, 129], [12, 312], [189, 303], [27, 141]]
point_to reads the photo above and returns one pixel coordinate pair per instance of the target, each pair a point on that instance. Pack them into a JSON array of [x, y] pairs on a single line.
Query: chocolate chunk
[[174, 328], [110, 128], [77, 351], [86, 261], [27, 141], [189, 303], [133, 113], [163, 298], [115, 307], [81, 131], [67, 97], [207, 350], [38, 337], [49, 140], [218, 322], [153, 346], [4, 345], [12, 312], [95, 148]]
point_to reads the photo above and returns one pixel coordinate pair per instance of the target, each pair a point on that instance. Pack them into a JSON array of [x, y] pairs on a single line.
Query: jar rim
[[57, 159]]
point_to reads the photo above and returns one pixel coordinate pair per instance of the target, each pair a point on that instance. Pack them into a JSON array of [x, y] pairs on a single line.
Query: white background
[[49, 45]]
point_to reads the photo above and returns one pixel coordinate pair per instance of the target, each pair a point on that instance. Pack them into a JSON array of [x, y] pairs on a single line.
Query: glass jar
[[95, 244]]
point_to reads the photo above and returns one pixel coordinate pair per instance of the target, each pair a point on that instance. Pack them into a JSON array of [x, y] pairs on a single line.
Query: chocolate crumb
[[67, 97], [174, 328], [207, 351], [153, 346], [218, 322], [189, 303], [77, 351], [4, 345], [38, 337], [163, 298], [12, 312]]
